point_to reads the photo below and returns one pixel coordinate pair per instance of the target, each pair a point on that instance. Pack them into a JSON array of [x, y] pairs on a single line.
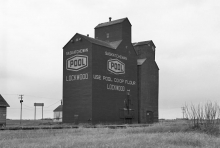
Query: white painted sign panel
[[116, 66], [77, 62]]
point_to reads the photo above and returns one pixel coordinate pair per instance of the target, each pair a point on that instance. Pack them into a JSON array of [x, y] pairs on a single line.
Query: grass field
[[29, 123], [160, 135]]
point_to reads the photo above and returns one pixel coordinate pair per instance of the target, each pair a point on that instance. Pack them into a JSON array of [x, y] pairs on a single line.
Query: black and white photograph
[[110, 73]]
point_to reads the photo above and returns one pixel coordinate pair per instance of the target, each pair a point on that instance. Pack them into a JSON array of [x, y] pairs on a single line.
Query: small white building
[[3, 111], [58, 114]]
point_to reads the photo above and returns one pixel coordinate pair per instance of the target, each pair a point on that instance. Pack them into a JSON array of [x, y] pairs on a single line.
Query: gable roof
[[59, 109], [112, 22], [111, 45], [97, 41], [92, 40], [3, 102], [143, 43]]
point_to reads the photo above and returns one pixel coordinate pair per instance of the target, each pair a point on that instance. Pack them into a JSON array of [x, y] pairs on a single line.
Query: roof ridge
[[111, 22], [3, 101], [59, 108], [114, 20], [143, 43], [92, 38], [95, 41]]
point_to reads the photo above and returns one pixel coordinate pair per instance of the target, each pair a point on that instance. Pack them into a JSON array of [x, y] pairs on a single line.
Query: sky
[[33, 32]]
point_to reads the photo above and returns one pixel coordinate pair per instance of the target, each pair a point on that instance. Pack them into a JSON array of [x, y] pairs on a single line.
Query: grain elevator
[[109, 79]]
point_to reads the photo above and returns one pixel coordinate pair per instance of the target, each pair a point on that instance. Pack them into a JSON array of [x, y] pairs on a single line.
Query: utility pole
[[21, 97], [183, 110], [35, 113]]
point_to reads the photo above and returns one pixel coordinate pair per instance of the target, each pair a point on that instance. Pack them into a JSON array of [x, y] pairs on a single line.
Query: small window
[[107, 35]]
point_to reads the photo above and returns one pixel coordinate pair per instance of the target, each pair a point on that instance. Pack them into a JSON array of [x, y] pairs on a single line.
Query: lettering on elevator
[[77, 62], [116, 66]]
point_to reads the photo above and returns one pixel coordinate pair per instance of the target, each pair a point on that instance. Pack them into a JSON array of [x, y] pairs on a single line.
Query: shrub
[[204, 118]]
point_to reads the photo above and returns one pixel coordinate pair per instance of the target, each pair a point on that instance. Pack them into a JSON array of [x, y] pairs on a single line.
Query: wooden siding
[[148, 90], [116, 32], [91, 99], [58, 116], [77, 94], [107, 103], [148, 79], [2, 115]]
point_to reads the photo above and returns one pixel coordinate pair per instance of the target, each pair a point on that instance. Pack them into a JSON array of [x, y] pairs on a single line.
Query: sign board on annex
[[38, 104]]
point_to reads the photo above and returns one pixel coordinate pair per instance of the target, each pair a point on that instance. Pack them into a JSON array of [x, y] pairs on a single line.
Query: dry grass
[[172, 135], [16, 123]]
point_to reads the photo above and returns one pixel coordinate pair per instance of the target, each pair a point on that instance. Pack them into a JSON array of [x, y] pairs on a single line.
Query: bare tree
[[203, 117]]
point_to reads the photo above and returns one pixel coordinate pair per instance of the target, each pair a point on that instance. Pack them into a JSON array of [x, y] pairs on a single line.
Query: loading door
[[149, 117]]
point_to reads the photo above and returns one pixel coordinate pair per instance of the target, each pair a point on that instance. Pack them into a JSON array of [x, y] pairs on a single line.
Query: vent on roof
[[110, 19]]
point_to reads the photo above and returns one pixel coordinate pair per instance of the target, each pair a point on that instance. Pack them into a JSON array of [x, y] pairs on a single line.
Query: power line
[[29, 109], [52, 104], [30, 96], [39, 97], [21, 101], [48, 110], [18, 108], [28, 106], [11, 94]]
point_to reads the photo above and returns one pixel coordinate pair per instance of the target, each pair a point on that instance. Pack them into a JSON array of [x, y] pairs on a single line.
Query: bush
[[204, 118]]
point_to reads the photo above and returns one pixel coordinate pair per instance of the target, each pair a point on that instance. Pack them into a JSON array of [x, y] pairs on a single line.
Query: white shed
[[58, 114]]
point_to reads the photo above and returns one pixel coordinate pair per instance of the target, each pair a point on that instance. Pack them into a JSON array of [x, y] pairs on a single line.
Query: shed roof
[[140, 61], [111, 22], [3, 102], [115, 44], [143, 43], [59, 109]]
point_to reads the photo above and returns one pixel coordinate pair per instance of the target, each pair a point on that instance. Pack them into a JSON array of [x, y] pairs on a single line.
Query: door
[[149, 117]]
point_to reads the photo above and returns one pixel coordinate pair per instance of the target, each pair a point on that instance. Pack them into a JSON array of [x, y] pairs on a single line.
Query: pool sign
[[116, 66], [77, 62]]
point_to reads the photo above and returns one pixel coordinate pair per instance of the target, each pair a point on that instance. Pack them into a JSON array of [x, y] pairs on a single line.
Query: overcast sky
[[33, 32]]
